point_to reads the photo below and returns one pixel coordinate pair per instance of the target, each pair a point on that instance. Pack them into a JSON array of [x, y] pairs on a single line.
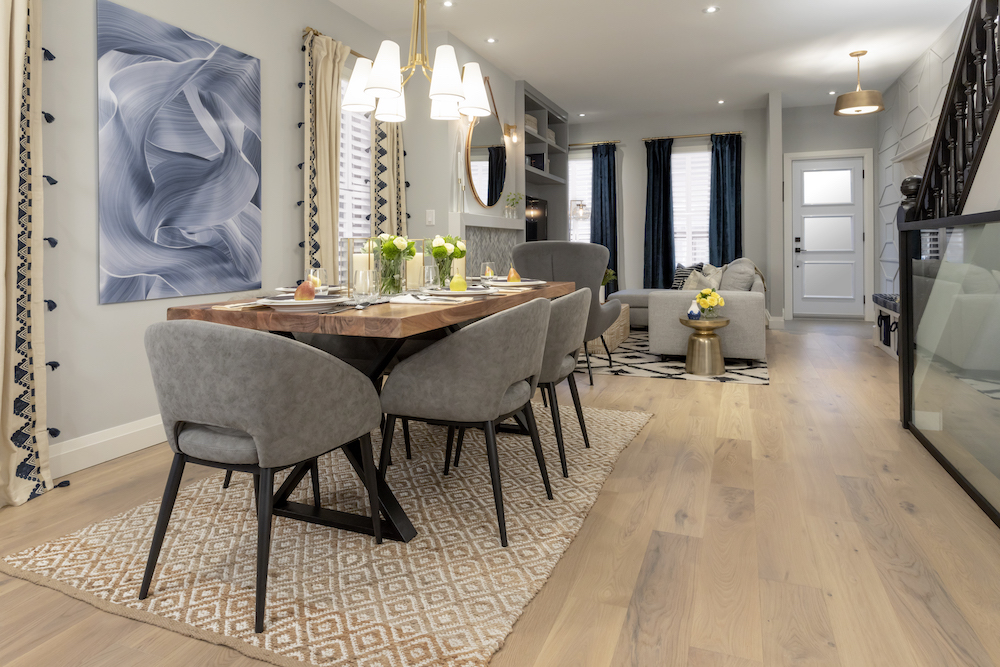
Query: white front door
[[828, 237]]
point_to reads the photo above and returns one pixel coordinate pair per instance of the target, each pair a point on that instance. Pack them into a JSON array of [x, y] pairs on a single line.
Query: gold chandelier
[[378, 86], [860, 101]]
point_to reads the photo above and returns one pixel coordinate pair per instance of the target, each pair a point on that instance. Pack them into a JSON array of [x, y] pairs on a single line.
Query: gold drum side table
[[704, 353]]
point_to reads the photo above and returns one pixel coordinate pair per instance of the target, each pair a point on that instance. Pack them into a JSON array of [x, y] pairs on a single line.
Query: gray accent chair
[[254, 402], [475, 378], [580, 263]]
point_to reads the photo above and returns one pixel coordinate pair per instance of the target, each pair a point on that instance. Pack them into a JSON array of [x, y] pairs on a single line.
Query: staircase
[[965, 124]]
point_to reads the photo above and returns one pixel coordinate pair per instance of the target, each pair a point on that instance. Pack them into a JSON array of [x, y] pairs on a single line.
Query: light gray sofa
[[743, 338]]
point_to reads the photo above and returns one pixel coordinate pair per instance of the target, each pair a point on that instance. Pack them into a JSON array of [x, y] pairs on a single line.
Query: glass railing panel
[[956, 366]]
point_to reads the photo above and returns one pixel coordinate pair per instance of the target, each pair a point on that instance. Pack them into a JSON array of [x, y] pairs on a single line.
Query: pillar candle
[[414, 270]]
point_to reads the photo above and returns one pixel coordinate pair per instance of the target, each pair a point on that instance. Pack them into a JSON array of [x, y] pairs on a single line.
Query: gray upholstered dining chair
[[581, 263], [254, 402], [475, 378], [567, 326]]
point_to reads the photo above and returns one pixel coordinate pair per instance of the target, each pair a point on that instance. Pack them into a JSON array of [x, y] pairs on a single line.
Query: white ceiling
[[615, 58]]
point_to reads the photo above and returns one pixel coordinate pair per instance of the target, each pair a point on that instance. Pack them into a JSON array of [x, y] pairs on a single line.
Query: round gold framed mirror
[[486, 159]]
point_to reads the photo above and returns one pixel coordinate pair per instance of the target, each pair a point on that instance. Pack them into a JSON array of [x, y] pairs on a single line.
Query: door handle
[[798, 250]]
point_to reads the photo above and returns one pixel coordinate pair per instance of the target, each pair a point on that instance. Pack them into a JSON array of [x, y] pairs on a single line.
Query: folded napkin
[[411, 299]]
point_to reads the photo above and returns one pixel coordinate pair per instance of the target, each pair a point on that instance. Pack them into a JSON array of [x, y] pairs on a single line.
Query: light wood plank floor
[[793, 524]]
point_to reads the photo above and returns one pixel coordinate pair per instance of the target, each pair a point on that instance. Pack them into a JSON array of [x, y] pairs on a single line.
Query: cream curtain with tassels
[[325, 59], [388, 182], [24, 456]]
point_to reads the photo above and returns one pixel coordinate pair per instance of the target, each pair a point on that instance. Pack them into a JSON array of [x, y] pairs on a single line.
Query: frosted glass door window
[[823, 188], [828, 280], [828, 233]]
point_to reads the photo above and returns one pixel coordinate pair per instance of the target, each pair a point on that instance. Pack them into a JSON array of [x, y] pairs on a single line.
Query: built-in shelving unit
[[549, 182]]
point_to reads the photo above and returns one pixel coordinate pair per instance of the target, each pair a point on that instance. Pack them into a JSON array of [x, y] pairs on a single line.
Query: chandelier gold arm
[[418, 43]]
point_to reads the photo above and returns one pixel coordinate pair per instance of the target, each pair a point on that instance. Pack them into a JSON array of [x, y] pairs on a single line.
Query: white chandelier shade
[[445, 110], [392, 109], [446, 81], [475, 102], [355, 98], [384, 81]]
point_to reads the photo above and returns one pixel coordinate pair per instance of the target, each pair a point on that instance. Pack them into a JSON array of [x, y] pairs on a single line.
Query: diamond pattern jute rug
[[448, 597]]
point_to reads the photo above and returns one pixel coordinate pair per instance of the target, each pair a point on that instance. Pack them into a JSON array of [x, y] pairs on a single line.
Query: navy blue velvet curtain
[[498, 172], [658, 251], [604, 206], [725, 217]]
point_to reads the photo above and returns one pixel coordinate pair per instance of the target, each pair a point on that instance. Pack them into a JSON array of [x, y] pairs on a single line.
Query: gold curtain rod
[[595, 143], [307, 31], [689, 136]]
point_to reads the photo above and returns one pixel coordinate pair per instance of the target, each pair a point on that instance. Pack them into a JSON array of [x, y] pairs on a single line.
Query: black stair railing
[[966, 120]]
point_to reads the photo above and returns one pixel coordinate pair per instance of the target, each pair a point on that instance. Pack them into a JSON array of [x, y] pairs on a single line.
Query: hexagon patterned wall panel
[[912, 106]]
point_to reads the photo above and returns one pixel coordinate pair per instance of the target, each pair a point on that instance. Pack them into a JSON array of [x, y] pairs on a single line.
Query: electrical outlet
[[430, 217]]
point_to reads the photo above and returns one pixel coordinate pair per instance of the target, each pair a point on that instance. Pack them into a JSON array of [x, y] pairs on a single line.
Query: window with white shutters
[[581, 170], [355, 175], [691, 187]]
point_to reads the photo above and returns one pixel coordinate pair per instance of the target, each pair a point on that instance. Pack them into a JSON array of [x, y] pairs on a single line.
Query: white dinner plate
[[474, 290], [287, 304], [525, 282], [291, 290]]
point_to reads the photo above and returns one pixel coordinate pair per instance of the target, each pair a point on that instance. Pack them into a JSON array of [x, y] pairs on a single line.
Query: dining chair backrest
[[295, 401], [465, 376], [580, 263], [567, 325]]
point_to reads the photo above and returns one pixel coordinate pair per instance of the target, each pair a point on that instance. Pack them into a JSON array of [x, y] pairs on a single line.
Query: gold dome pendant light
[[859, 102]]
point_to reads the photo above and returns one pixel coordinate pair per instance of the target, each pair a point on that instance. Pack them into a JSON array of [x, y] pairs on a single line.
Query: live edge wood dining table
[[388, 325]]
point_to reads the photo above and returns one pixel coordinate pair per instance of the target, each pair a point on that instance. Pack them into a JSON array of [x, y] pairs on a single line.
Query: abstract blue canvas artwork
[[180, 146]]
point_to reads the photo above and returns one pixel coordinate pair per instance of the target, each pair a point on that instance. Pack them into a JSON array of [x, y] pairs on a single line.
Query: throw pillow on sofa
[[682, 272], [709, 276], [739, 275]]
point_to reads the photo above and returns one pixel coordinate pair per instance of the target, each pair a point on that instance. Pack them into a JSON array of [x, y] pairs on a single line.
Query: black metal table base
[[395, 524]]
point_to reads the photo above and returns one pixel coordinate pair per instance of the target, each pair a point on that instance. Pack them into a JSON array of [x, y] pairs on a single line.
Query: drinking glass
[[488, 272], [432, 279], [367, 283], [318, 278]]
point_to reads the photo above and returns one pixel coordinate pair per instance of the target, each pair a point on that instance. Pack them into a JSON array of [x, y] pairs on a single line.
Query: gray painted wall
[[808, 129], [104, 380]]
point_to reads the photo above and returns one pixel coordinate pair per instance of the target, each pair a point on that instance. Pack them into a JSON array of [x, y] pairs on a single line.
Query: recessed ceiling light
[[448, 3], [491, 40], [582, 115], [833, 92], [712, 9], [722, 101]]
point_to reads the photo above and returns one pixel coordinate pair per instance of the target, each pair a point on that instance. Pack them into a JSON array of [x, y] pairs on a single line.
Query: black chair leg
[[607, 351], [371, 483], [266, 506], [590, 372], [447, 449], [256, 491], [545, 399], [385, 459], [491, 454], [458, 445], [579, 409], [229, 478], [529, 417], [557, 427], [314, 475], [406, 437], [166, 507]]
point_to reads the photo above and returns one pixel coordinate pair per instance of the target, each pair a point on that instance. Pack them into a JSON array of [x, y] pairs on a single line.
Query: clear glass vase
[[444, 270], [393, 274]]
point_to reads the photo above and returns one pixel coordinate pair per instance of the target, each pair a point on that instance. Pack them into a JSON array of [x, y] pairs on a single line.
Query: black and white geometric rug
[[633, 359], [989, 388]]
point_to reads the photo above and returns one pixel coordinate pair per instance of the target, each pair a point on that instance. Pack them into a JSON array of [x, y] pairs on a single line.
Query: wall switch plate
[[430, 217]]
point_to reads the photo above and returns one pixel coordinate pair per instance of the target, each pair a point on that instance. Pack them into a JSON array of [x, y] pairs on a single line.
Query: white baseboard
[[774, 322], [90, 450]]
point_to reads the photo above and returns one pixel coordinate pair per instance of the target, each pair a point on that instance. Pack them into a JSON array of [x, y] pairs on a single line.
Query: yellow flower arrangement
[[708, 300]]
